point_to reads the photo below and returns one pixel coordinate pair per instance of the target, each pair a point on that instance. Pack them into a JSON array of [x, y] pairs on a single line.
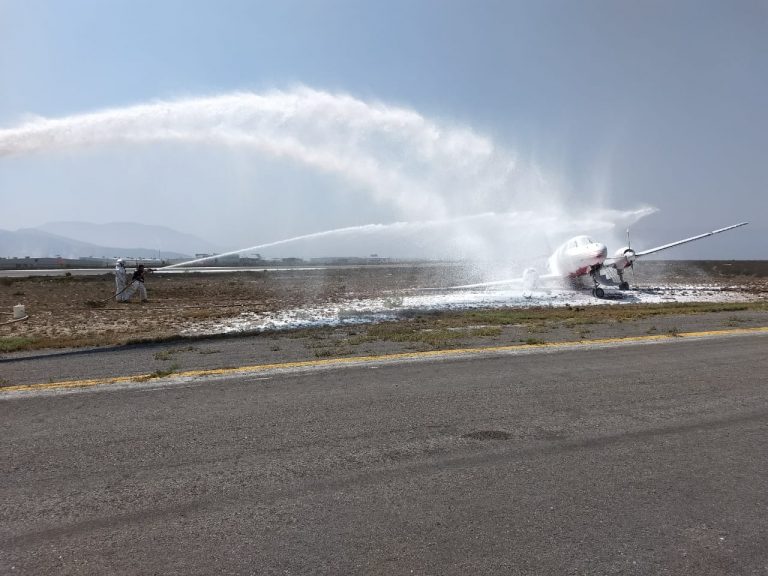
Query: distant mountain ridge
[[80, 240], [147, 236]]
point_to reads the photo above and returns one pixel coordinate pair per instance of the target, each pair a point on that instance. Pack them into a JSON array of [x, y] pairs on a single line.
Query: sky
[[454, 124]]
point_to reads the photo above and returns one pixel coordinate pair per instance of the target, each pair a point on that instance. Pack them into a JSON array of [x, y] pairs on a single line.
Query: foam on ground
[[397, 305]]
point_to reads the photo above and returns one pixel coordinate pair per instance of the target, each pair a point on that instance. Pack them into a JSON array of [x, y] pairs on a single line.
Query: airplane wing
[[622, 261], [691, 239]]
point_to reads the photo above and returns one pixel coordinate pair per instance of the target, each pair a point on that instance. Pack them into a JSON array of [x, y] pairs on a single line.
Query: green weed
[[161, 373], [16, 343]]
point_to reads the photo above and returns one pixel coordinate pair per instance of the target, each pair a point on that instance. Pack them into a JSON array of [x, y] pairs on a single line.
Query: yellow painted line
[[65, 384]]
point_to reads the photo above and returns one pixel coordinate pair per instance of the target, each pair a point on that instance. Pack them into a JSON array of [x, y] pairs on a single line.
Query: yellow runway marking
[[65, 384]]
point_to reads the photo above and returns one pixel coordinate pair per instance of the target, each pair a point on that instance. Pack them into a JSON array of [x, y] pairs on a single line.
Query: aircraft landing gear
[[623, 284], [597, 292]]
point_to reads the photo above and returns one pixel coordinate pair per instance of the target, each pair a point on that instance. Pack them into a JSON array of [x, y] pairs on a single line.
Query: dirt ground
[[67, 311], [71, 311]]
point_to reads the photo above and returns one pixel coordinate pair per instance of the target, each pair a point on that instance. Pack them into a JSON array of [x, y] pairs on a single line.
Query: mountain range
[[116, 239]]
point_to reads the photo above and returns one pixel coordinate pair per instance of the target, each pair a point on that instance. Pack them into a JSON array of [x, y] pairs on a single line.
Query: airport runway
[[642, 459], [30, 272]]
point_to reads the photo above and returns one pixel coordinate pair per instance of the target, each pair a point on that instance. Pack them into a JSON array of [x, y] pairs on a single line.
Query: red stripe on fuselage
[[580, 272]]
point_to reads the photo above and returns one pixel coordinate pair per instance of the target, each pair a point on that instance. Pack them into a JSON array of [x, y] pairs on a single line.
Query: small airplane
[[581, 256]]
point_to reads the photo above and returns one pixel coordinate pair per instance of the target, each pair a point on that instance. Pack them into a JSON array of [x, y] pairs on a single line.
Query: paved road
[[631, 460]]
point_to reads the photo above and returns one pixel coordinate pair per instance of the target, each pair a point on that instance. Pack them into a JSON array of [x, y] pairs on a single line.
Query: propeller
[[629, 254], [630, 259]]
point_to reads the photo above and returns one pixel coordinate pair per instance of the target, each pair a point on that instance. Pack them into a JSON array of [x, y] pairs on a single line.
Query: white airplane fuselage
[[577, 257]]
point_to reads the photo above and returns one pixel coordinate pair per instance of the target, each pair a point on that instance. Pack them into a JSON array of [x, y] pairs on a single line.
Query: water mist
[[454, 192]]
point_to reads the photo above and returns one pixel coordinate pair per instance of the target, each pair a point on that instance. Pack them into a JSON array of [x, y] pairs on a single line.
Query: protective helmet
[[121, 262]]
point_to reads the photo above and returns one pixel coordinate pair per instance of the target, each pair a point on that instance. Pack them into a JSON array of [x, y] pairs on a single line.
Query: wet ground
[[77, 311]]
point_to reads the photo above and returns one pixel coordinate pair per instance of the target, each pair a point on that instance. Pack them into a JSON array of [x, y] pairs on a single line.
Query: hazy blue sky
[[608, 104]]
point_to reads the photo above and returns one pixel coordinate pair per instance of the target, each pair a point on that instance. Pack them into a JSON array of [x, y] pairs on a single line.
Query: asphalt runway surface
[[637, 459]]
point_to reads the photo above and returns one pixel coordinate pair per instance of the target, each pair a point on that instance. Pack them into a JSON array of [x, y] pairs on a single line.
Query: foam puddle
[[397, 305]]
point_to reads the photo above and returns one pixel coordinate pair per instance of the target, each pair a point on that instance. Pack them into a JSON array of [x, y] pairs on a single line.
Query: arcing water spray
[[420, 169]]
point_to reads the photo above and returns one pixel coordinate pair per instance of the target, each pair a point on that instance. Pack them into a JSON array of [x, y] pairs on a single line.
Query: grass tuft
[[160, 373], [16, 343]]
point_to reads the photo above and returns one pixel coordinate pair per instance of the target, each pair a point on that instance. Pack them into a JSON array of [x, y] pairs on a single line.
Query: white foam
[[396, 305]]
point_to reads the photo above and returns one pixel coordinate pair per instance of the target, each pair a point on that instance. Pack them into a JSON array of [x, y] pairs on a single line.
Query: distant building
[[216, 260]]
